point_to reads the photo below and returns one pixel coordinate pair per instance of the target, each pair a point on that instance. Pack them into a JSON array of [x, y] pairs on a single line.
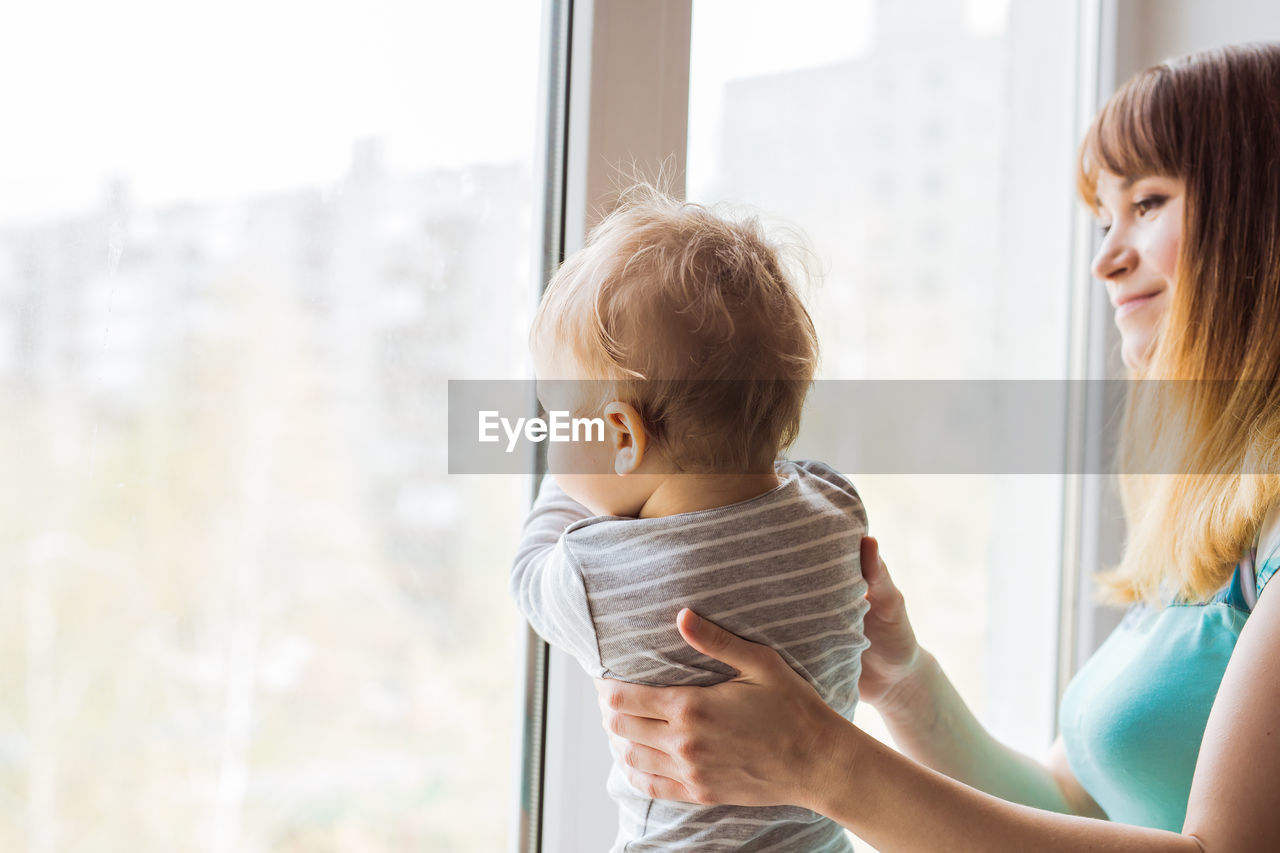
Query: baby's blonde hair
[[688, 316]]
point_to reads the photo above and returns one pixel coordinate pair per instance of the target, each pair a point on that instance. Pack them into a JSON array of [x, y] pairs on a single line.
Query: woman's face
[[1142, 223]]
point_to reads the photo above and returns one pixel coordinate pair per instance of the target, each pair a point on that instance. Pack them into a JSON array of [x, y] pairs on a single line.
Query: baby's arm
[[546, 583]]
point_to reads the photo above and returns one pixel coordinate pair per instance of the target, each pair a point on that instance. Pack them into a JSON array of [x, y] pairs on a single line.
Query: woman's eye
[[1149, 203]]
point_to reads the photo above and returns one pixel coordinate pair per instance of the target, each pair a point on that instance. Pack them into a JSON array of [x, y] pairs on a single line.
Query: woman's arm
[[926, 716], [1235, 793], [1234, 803], [896, 804], [932, 724], [767, 738]]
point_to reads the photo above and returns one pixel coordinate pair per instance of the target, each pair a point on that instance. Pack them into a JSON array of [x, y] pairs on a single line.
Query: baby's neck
[[692, 492]]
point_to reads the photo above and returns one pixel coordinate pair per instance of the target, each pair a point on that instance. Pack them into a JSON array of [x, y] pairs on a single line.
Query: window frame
[[602, 113]]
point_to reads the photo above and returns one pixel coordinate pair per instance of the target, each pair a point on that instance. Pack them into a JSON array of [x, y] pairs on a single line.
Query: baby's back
[[780, 569]]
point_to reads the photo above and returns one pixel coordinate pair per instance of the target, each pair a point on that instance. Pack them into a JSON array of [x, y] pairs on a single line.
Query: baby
[[678, 329]]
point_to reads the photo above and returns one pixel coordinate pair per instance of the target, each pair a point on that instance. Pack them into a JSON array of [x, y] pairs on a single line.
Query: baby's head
[[696, 348]]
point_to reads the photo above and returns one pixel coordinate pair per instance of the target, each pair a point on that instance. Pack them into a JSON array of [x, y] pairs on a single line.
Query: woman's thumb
[[715, 642], [869, 553]]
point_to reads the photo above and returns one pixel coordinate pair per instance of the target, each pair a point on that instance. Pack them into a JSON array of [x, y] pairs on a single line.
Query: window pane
[[925, 149], [243, 247]]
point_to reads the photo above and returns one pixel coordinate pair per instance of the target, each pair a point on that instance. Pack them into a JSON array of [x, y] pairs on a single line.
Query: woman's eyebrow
[[1133, 179]]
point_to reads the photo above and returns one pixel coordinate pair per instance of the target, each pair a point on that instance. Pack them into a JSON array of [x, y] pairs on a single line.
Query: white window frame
[[617, 84]]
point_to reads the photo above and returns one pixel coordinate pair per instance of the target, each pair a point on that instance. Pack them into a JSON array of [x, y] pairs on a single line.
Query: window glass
[[243, 247], [924, 149]]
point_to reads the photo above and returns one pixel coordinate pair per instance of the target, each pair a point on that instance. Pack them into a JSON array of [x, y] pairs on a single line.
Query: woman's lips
[[1128, 306]]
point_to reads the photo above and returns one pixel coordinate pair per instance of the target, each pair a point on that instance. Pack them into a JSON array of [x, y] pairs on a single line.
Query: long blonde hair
[[1200, 453]]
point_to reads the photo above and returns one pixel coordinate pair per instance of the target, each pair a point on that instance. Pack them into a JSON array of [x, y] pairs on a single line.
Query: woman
[[1173, 727]]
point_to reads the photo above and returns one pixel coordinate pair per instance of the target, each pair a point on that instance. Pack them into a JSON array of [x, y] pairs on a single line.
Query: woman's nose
[[1115, 258]]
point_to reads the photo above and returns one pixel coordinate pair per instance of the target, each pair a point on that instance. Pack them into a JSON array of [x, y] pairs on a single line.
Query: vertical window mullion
[[616, 106]]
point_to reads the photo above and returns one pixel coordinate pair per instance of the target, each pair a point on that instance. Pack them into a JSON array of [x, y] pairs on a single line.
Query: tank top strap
[[1266, 551]]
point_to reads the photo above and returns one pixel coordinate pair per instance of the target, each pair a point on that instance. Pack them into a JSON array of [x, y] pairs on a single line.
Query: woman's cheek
[[1167, 259]]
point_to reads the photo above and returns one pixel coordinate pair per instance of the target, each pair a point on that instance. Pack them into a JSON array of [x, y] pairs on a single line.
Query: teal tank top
[[1133, 717]]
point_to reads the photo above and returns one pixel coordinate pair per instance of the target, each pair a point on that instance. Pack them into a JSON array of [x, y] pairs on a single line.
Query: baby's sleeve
[[546, 582]]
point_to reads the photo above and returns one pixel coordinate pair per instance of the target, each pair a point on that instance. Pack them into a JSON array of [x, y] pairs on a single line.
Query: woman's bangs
[[1131, 137]]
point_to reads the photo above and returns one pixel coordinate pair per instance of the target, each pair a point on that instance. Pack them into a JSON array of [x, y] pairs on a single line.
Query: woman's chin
[[1136, 352]]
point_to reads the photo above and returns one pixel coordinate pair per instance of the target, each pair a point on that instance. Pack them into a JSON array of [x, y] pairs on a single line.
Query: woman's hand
[[761, 739], [894, 656]]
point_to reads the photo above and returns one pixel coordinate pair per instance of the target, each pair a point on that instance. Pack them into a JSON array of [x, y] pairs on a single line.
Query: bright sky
[[733, 39], [725, 35], [208, 100]]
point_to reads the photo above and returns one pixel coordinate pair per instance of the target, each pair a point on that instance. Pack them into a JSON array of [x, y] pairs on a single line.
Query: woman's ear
[[629, 437]]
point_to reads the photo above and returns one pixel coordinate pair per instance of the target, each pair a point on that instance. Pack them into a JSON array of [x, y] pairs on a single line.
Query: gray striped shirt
[[780, 569]]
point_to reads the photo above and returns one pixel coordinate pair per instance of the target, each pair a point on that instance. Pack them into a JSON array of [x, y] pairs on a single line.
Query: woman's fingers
[[638, 700], [752, 740], [879, 584], [751, 660], [894, 653], [887, 604], [637, 756], [636, 742], [657, 787], [872, 569], [641, 730]]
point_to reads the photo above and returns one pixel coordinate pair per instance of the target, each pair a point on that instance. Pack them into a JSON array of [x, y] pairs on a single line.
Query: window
[[813, 115], [943, 248], [242, 249]]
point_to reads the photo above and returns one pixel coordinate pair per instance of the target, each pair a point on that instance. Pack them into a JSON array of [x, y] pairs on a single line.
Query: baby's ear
[[628, 436]]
